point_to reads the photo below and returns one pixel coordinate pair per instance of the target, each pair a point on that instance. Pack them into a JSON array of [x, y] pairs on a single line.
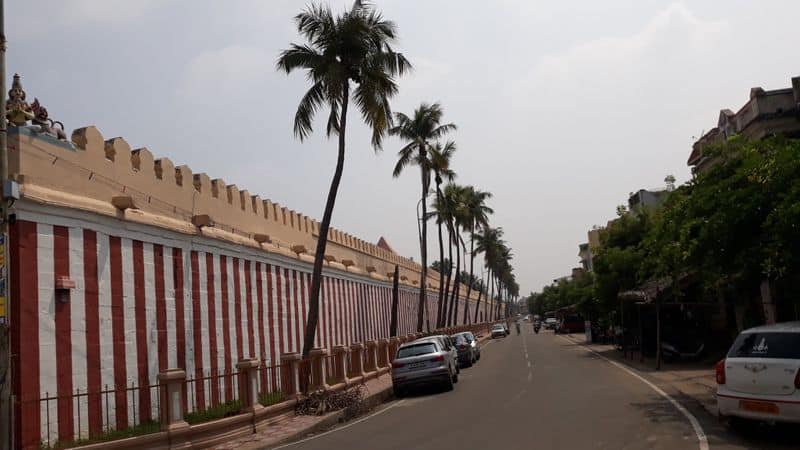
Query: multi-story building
[[646, 198], [767, 113]]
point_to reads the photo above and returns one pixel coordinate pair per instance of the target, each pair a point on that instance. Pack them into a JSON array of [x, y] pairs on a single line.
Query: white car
[[499, 330], [759, 379]]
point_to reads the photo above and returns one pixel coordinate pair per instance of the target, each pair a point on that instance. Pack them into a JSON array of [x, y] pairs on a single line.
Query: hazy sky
[[563, 107]]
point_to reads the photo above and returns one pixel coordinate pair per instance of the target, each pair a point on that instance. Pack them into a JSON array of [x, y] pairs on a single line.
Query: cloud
[[106, 11], [605, 83], [673, 33], [227, 73]]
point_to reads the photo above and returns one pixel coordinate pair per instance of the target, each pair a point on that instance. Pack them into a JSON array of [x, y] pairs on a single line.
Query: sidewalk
[[694, 380], [290, 427]]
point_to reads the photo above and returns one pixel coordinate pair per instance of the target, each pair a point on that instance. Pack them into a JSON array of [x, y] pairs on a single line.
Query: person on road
[[518, 328]]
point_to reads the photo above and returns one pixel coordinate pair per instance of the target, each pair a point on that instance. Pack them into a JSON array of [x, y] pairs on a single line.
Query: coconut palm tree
[[488, 242], [454, 198], [346, 57], [476, 216], [440, 156], [419, 131], [443, 210]]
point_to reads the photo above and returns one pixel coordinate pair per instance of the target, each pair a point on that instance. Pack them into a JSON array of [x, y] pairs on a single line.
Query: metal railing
[[90, 415]]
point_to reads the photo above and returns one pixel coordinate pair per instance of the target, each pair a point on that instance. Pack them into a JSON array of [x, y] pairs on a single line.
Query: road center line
[[702, 440]]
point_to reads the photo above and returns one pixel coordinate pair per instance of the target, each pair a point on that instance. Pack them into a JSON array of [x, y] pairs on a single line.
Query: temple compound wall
[[124, 265]]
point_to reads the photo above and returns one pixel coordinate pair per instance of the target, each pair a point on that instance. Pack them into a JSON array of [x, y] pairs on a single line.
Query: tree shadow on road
[[424, 391]]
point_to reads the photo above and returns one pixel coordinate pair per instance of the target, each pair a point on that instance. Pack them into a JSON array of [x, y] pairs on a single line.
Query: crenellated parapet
[[107, 176]]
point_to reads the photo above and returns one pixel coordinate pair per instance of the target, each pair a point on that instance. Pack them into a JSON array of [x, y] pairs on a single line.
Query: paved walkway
[[290, 427]]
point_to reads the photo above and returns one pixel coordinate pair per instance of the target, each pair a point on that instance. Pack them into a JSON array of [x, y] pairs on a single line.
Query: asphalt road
[[538, 391]]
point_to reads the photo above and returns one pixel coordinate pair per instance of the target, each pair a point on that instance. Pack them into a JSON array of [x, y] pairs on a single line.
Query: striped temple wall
[[147, 299]]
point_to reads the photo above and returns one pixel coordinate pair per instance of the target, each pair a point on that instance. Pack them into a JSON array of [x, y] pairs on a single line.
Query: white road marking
[[343, 427], [527, 358], [702, 440]]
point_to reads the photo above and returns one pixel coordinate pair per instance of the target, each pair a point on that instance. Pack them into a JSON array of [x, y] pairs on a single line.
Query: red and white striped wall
[[145, 301]]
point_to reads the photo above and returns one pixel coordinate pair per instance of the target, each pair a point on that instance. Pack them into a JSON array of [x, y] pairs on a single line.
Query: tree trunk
[[471, 270], [453, 317], [440, 306], [446, 307], [322, 239], [478, 303], [395, 298], [423, 248], [491, 297], [469, 283]]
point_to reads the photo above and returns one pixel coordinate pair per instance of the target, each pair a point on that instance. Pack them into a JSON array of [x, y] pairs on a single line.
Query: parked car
[[473, 342], [550, 323], [499, 330], [421, 363], [464, 349], [448, 344], [759, 379]]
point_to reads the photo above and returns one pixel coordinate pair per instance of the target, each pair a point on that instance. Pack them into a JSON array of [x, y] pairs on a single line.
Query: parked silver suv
[[421, 363]]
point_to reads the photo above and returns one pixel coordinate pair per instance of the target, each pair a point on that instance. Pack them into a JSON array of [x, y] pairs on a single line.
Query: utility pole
[[5, 330]]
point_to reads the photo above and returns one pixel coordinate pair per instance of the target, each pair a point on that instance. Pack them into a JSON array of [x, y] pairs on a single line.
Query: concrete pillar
[[356, 363], [383, 353], [289, 376], [171, 382], [318, 372], [394, 344], [248, 384], [340, 354], [371, 365]]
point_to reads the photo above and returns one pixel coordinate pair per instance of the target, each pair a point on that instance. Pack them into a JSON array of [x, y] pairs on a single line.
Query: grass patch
[[271, 398], [111, 435], [220, 411]]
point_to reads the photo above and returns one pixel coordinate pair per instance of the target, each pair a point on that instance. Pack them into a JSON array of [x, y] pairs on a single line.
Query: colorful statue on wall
[[19, 112]]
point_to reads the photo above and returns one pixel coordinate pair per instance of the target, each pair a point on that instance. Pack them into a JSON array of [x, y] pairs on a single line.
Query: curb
[[327, 422]]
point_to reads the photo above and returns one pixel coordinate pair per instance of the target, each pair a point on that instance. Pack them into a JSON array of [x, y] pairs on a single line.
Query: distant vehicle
[[759, 379], [466, 355], [550, 323], [473, 343], [572, 323], [499, 330], [421, 363]]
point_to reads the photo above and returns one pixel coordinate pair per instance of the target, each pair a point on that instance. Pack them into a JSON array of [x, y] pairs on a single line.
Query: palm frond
[[406, 157], [308, 106]]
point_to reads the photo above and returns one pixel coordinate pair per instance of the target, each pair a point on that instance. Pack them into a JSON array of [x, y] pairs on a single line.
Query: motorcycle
[[536, 328], [686, 349]]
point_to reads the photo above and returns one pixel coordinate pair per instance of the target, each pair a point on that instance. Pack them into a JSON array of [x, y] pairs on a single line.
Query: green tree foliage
[[733, 226]]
